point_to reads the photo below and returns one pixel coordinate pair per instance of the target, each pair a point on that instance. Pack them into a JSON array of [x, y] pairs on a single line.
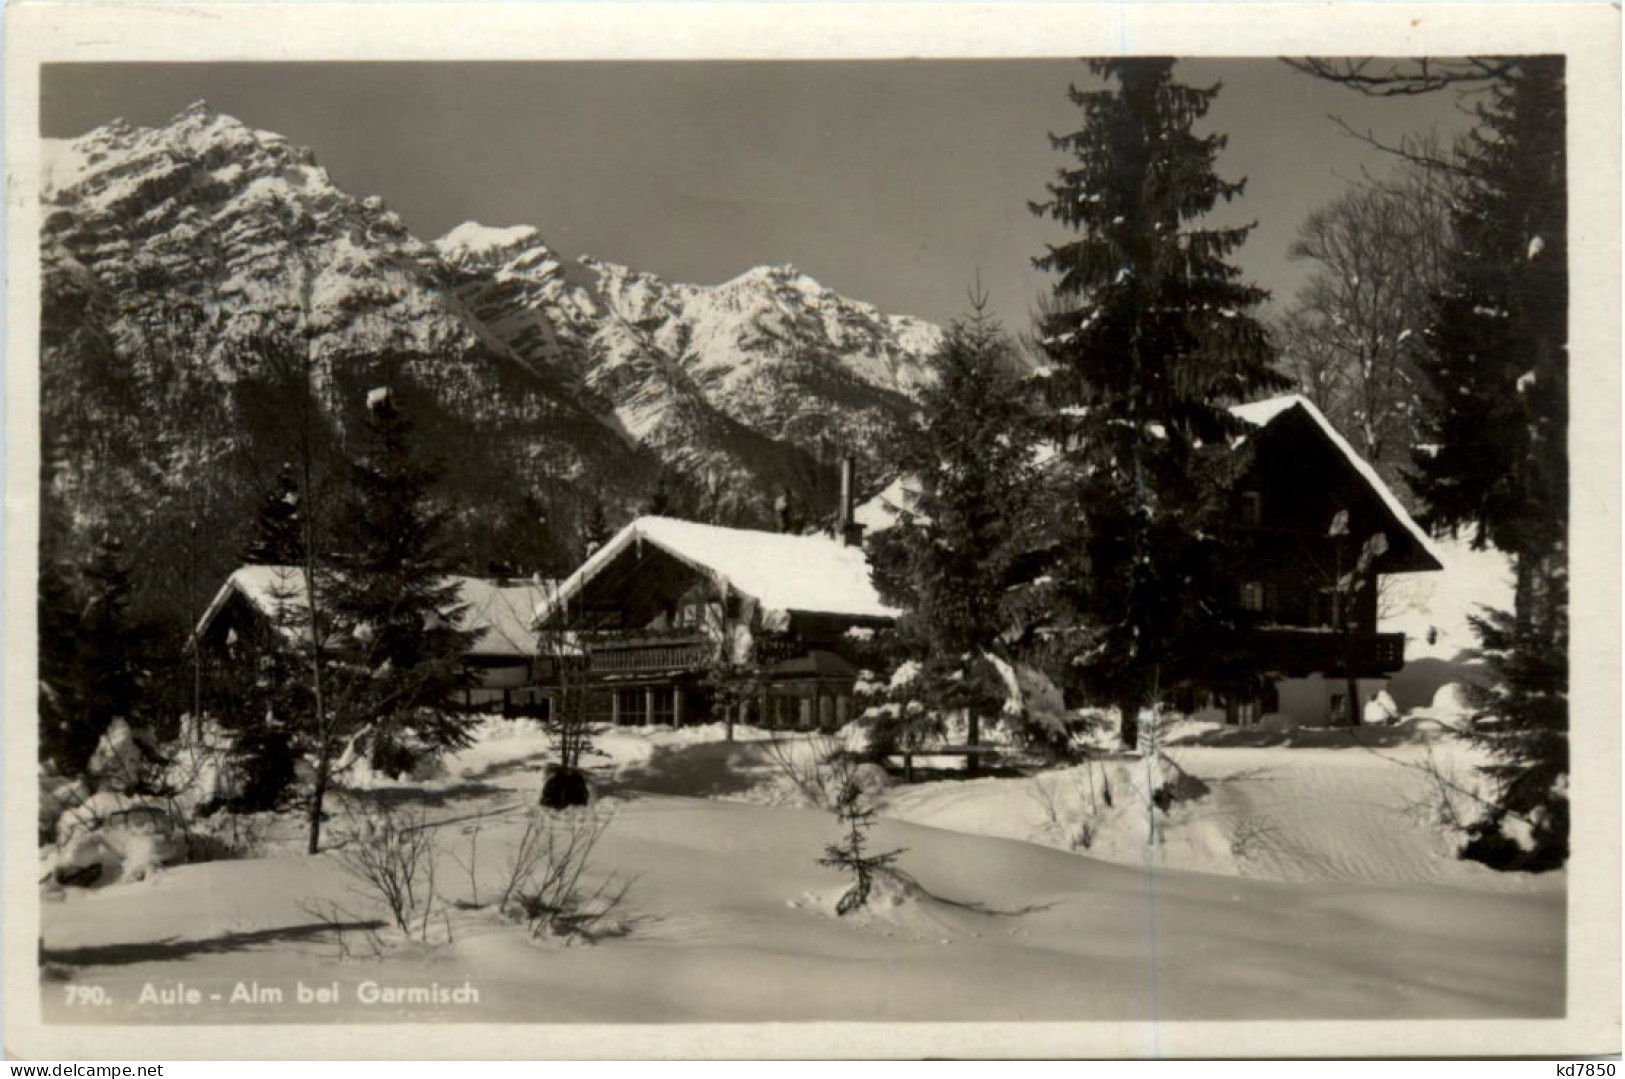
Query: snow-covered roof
[[879, 513], [1262, 413], [500, 610], [903, 494], [783, 573], [503, 611]]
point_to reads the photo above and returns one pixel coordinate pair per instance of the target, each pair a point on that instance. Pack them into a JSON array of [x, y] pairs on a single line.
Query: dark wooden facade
[[1311, 611], [650, 627]]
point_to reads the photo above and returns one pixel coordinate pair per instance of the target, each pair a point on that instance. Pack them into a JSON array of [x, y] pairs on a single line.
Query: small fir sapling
[[850, 854]]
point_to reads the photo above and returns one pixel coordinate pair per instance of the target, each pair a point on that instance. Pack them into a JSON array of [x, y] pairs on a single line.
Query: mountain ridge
[[171, 253]]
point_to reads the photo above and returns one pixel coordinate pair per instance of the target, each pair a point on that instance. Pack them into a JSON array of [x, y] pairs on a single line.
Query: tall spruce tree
[[100, 680], [659, 503], [595, 530], [1494, 458], [58, 603], [278, 538], [393, 610], [67, 736], [1150, 336], [957, 559], [255, 688]]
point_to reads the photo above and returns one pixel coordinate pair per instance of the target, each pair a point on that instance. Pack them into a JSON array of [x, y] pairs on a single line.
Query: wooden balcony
[[632, 654], [1300, 652]]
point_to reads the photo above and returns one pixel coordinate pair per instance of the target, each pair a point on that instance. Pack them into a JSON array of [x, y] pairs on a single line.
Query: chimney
[[847, 528]]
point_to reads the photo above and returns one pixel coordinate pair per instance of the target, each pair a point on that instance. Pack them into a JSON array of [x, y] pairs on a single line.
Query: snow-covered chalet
[[1312, 506], [507, 671], [664, 603]]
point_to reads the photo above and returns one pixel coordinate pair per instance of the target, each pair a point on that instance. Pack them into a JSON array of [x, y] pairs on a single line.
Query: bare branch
[[1406, 77]]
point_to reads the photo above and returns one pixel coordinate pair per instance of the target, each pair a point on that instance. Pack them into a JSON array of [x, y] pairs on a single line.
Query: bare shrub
[[1045, 793], [1251, 835], [342, 924], [471, 866], [1452, 800], [821, 774], [1049, 793], [1449, 800], [392, 857], [543, 879]]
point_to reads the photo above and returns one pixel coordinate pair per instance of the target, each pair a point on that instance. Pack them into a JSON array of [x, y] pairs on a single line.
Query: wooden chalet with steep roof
[[508, 672], [1312, 507], [665, 603]]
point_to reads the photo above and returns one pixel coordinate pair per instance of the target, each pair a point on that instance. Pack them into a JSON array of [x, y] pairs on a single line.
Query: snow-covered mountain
[[772, 352], [172, 254]]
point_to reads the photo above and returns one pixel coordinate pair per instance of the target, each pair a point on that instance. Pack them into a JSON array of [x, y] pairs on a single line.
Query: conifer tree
[[58, 604], [278, 538], [255, 690], [595, 531], [955, 560], [1494, 458], [526, 541], [393, 609], [107, 643], [67, 738], [659, 503], [851, 854], [1149, 338]]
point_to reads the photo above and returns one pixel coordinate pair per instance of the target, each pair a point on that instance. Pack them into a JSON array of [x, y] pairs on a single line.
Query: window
[[1327, 608], [698, 615], [1252, 596], [1252, 509], [630, 707]]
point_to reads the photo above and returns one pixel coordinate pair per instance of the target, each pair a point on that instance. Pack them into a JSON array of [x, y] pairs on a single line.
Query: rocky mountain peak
[[474, 243], [561, 371]]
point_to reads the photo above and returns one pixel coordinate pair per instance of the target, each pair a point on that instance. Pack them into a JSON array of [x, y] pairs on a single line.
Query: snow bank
[[1272, 812], [200, 768], [1451, 705], [121, 759], [113, 836]]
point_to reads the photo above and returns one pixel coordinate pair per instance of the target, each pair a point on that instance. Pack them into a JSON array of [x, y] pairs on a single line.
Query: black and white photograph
[[1023, 539]]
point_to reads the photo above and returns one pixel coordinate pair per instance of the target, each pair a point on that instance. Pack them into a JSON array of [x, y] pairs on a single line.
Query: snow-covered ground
[[1338, 809], [1324, 891]]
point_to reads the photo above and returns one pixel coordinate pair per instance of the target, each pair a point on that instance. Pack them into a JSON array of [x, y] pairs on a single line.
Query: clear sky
[[895, 182]]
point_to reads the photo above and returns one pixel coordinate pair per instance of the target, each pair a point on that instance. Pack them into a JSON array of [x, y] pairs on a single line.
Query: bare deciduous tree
[[1406, 77], [570, 723], [1353, 334]]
